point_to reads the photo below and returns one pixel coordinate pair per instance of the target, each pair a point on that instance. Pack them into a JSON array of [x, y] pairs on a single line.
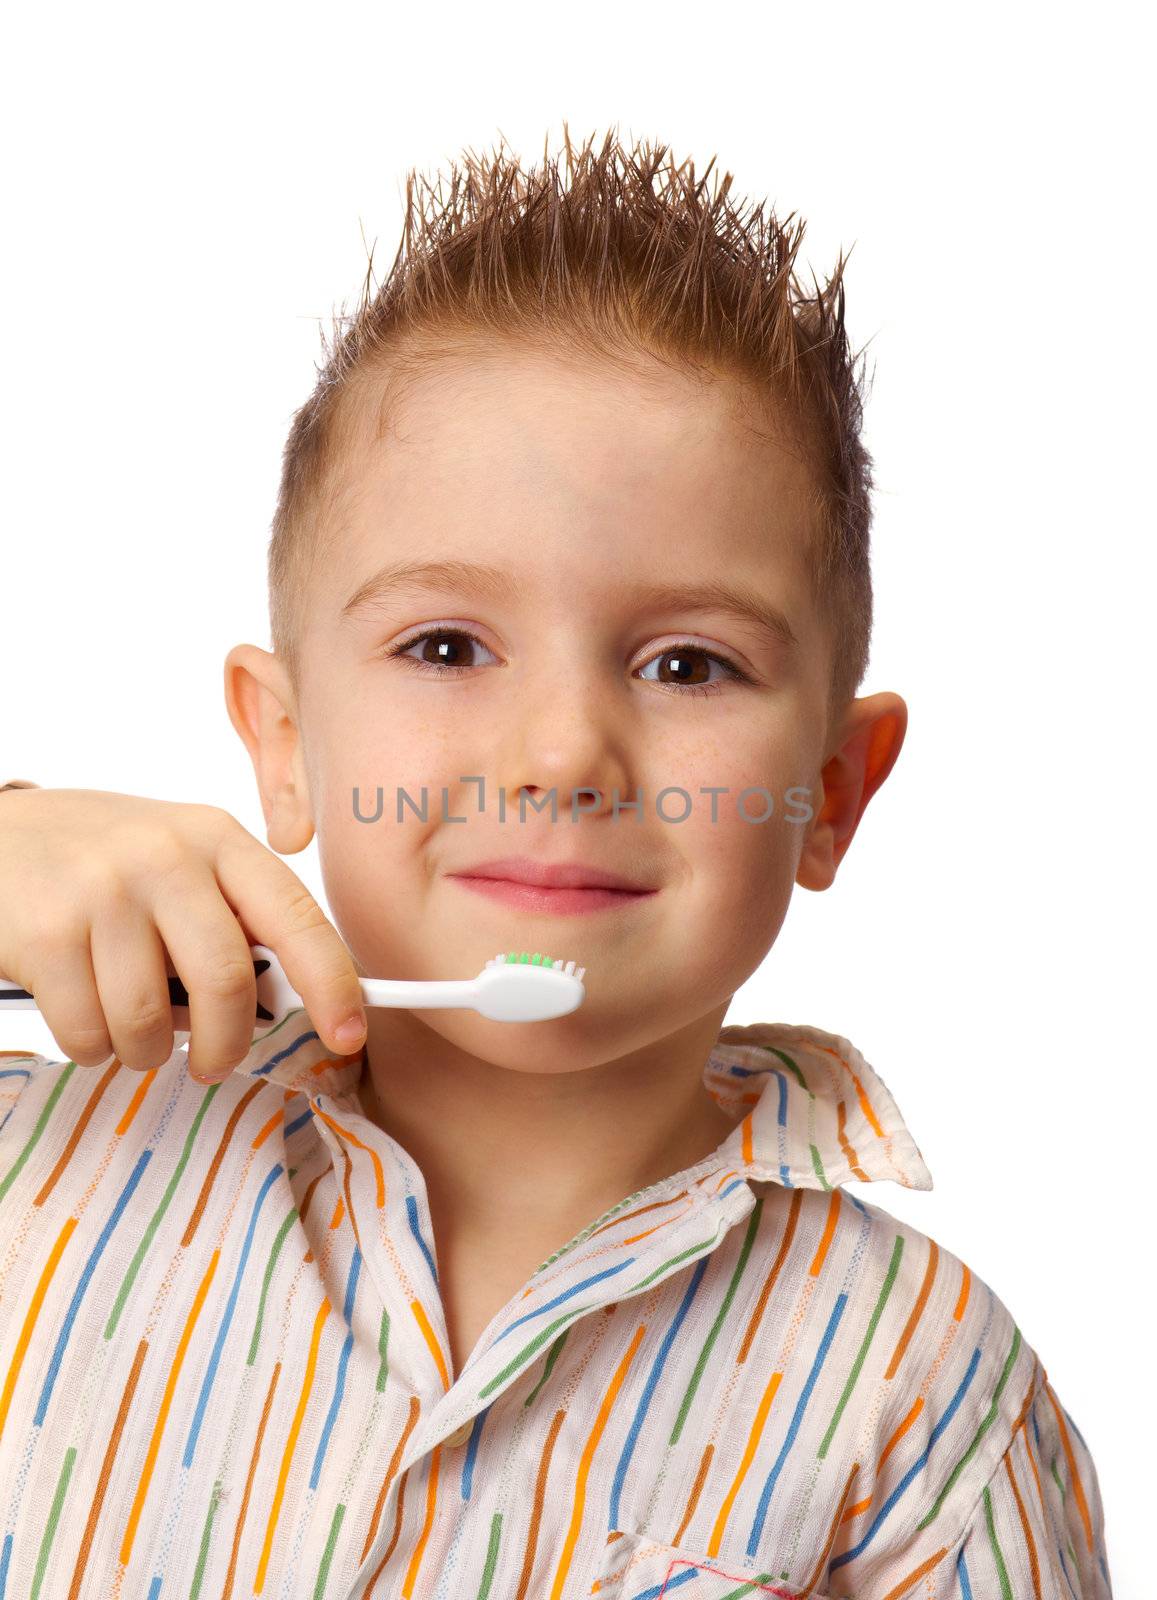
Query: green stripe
[[327, 1554], [548, 1366], [42, 1122], [206, 1538], [980, 1432], [881, 1302], [383, 1341], [998, 1559], [709, 1342], [491, 1562], [536, 1344], [155, 1219], [53, 1523], [817, 1163], [265, 1282]]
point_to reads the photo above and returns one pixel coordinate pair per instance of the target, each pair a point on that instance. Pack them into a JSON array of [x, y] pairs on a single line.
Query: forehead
[[532, 402], [536, 445]]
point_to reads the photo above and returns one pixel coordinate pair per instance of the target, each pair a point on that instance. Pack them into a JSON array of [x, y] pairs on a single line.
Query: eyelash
[[397, 652]]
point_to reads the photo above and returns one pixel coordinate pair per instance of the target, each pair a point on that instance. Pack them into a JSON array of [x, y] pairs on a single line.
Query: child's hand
[[96, 888]]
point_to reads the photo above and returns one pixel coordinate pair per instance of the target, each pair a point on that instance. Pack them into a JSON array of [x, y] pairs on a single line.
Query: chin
[[544, 1049]]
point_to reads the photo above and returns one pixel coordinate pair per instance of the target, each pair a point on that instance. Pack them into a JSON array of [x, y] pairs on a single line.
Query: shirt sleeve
[[1038, 1528]]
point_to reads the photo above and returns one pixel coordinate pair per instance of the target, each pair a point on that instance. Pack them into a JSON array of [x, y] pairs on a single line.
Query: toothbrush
[[510, 988]]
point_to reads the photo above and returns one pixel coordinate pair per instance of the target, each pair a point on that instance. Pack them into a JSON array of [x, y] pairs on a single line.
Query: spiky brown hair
[[598, 262]]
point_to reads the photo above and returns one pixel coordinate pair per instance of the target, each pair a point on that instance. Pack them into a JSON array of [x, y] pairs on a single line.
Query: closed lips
[[560, 875]]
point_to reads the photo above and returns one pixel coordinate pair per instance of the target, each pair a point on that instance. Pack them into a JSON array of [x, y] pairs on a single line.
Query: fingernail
[[350, 1033]]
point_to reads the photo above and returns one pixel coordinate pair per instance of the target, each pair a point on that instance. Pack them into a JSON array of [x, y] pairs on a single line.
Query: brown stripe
[[214, 1167], [102, 1482]]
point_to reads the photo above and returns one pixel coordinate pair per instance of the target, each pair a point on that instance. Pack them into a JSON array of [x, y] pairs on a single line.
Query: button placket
[[411, 1361], [724, 1209], [493, 1370]]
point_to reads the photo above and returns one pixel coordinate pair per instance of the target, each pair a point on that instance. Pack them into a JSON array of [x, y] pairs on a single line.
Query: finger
[[276, 909], [65, 990], [211, 954], [129, 962]]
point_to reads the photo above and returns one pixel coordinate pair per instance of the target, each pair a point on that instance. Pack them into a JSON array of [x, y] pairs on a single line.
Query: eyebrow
[[496, 584]]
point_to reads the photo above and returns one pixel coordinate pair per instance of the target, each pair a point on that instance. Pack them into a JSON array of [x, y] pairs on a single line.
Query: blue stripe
[[797, 1418], [271, 1178], [915, 1469], [649, 1387], [85, 1279]]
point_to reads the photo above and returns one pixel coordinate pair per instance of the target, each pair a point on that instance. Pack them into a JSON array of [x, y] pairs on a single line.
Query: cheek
[[384, 749], [741, 866]]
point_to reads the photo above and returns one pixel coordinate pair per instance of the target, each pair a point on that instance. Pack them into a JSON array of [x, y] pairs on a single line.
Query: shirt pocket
[[635, 1567]]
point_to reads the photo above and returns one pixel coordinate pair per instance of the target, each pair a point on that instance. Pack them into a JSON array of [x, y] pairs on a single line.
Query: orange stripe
[[151, 1454], [1078, 1487], [769, 1282], [965, 1291], [828, 1234], [915, 1410], [431, 1339], [76, 1133], [850, 1155], [754, 1434], [424, 1537], [906, 1583], [1030, 1542], [270, 1128], [413, 1412], [96, 1506], [537, 1503], [30, 1320], [319, 1321], [214, 1167], [696, 1490], [917, 1309], [861, 1096], [250, 1476], [812, 1583], [584, 1465], [376, 1160]]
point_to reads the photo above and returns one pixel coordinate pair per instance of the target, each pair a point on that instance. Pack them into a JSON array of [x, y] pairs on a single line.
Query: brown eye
[[441, 651], [690, 669]]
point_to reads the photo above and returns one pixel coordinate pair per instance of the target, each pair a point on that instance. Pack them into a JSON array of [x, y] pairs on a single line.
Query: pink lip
[[533, 898], [547, 875]]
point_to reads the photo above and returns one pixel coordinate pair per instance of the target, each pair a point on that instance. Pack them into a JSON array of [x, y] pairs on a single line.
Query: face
[[582, 491]]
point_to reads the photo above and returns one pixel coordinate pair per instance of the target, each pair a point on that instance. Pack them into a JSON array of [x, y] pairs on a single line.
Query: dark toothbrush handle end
[[179, 995]]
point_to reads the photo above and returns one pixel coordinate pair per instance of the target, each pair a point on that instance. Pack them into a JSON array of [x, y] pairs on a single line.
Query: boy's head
[[606, 390]]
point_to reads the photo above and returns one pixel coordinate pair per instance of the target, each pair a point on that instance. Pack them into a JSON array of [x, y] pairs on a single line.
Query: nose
[[574, 741]]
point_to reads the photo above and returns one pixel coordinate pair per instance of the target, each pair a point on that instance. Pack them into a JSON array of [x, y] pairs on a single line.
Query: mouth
[[561, 888]]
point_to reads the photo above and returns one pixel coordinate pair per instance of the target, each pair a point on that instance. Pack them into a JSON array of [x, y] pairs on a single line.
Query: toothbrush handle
[[13, 998], [275, 996], [417, 995]]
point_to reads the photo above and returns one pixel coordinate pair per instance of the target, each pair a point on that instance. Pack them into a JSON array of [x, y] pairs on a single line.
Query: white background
[[186, 196]]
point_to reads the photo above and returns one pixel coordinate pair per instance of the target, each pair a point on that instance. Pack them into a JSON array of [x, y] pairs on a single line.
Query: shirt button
[[459, 1436]]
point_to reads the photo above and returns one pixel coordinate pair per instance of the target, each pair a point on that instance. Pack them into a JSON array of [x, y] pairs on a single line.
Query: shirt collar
[[811, 1113]]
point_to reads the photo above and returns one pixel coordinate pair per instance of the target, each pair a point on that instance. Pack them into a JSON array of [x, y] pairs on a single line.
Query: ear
[[871, 733], [262, 708]]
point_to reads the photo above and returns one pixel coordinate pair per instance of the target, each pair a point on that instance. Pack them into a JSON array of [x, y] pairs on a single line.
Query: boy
[[579, 510]]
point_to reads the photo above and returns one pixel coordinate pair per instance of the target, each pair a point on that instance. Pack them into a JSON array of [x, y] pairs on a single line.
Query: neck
[[549, 1152]]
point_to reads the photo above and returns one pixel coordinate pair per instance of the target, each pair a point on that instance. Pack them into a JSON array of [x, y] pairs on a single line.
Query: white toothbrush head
[[528, 988]]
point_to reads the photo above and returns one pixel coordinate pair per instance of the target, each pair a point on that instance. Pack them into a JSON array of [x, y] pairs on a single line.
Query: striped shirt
[[224, 1367]]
